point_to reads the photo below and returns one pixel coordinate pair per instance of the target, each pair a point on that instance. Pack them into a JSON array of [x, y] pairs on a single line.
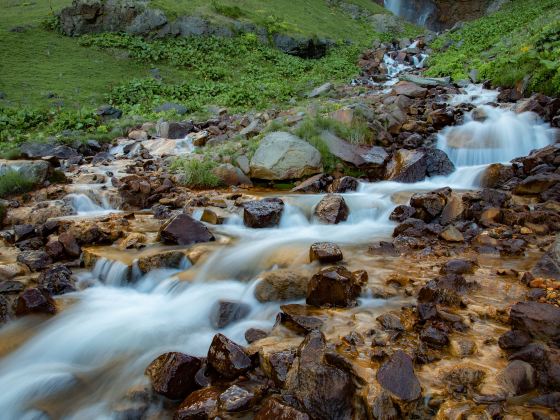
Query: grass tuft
[[196, 173], [12, 182]]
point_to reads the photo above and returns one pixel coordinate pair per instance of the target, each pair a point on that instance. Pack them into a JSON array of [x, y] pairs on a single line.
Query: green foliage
[[12, 182], [233, 12], [196, 173], [521, 40], [239, 73]]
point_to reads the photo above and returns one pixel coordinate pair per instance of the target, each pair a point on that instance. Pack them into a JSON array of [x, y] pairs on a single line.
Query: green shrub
[[196, 173], [233, 12], [12, 182]]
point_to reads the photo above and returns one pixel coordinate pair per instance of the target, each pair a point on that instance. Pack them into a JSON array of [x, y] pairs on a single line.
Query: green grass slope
[[522, 40]]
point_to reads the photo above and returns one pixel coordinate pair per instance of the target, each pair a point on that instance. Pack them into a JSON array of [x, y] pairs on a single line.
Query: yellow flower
[[525, 48]]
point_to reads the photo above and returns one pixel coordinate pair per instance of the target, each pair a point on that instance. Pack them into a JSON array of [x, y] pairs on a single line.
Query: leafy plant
[[12, 182], [196, 173]]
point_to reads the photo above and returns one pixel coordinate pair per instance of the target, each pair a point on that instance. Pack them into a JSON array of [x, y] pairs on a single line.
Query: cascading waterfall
[[90, 354], [418, 12]]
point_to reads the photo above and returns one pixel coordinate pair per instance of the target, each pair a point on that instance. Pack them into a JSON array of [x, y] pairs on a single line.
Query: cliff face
[[440, 14]]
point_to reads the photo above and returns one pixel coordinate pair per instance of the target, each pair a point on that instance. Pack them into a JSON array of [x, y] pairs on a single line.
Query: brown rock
[[333, 286], [410, 166], [35, 260], [263, 214], [452, 234], [277, 364], [254, 334], [226, 312], [412, 90], [332, 209], [57, 280], [282, 284], [201, 404], [228, 358], [274, 408], [316, 184], [70, 244], [540, 320], [325, 253], [173, 374], [397, 376], [549, 265], [35, 301], [299, 318], [184, 230], [343, 185]]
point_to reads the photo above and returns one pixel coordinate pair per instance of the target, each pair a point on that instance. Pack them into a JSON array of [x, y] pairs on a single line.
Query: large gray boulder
[[283, 156]]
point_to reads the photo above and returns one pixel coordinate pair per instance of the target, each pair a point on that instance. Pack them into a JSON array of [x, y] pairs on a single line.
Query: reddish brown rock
[[228, 358], [333, 286], [325, 253], [184, 230], [173, 374], [397, 376], [70, 244], [540, 320], [201, 404], [274, 408], [35, 301], [332, 209], [264, 213]]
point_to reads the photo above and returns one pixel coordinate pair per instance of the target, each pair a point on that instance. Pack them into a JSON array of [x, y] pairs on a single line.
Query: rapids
[[79, 363]]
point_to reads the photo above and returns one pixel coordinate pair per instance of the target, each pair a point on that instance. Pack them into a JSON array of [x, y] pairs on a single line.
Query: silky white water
[[88, 356]]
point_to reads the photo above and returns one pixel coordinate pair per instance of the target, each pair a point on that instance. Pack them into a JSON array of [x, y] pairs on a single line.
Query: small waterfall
[[418, 12], [494, 135], [111, 272], [84, 205]]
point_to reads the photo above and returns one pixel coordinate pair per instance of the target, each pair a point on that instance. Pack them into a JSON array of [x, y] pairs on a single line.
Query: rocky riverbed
[[427, 287]]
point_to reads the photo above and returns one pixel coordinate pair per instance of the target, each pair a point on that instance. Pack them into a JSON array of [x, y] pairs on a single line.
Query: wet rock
[[440, 118], [201, 404], [55, 249], [434, 337], [133, 240], [276, 364], [325, 253], [452, 234], [453, 210], [226, 312], [390, 322], [9, 271], [397, 376], [280, 285], [519, 377], [228, 358], [412, 90], [57, 280], [161, 212], [316, 184], [299, 318], [496, 175], [343, 185], [431, 204], [549, 265], [411, 166], [537, 184], [237, 398], [324, 391], [401, 213], [514, 340], [551, 400], [332, 209], [70, 244], [165, 259], [230, 175], [460, 267], [184, 230], [333, 286], [383, 407], [254, 334], [283, 156], [463, 348], [35, 260], [11, 286], [445, 290], [464, 377], [173, 374], [263, 213], [540, 320], [35, 301], [22, 232], [5, 308], [274, 408]]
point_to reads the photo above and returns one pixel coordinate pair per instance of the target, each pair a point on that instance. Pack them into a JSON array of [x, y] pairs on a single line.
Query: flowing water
[[418, 12], [77, 364]]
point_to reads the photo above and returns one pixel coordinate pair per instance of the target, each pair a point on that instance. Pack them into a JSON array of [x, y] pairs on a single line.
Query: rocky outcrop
[[415, 165], [282, 156]]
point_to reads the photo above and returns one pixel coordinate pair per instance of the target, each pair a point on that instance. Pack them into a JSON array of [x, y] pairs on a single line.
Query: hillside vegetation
[[522, 40], [52, 84]]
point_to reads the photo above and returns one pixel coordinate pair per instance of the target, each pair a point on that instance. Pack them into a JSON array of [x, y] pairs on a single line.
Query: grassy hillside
[[521, 40], [52, 83]]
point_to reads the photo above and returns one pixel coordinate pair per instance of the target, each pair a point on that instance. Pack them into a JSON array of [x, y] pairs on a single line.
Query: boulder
[[397, 376], [70, 244], [496, 175], [452, 234], [549, 264], [282, 156], [35, 301], [231, 175], [36, 171], [276, 364], [239, 397], [390, 322], [537, 184], [519, 377], [412, 90], [322, 390], [316, 184], [299, 318], [275, 408], [184, 230], [343, 185], [262, 213], [434, 337], [325, 253], [225, 312], [201, 404], [57, 280], [35, 260], [333, 286], [540, 320], [321, 90], [172, 374], [254, 334], [411, 166], [514, 340], [280, 285], [332, 209], [228, 358]]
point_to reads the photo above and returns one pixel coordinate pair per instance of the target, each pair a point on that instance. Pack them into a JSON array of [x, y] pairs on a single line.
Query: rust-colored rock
[[325, 253], [333, 286], [173, 374], [332, 209], [35, 301], [184, 230], [228, 358]]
